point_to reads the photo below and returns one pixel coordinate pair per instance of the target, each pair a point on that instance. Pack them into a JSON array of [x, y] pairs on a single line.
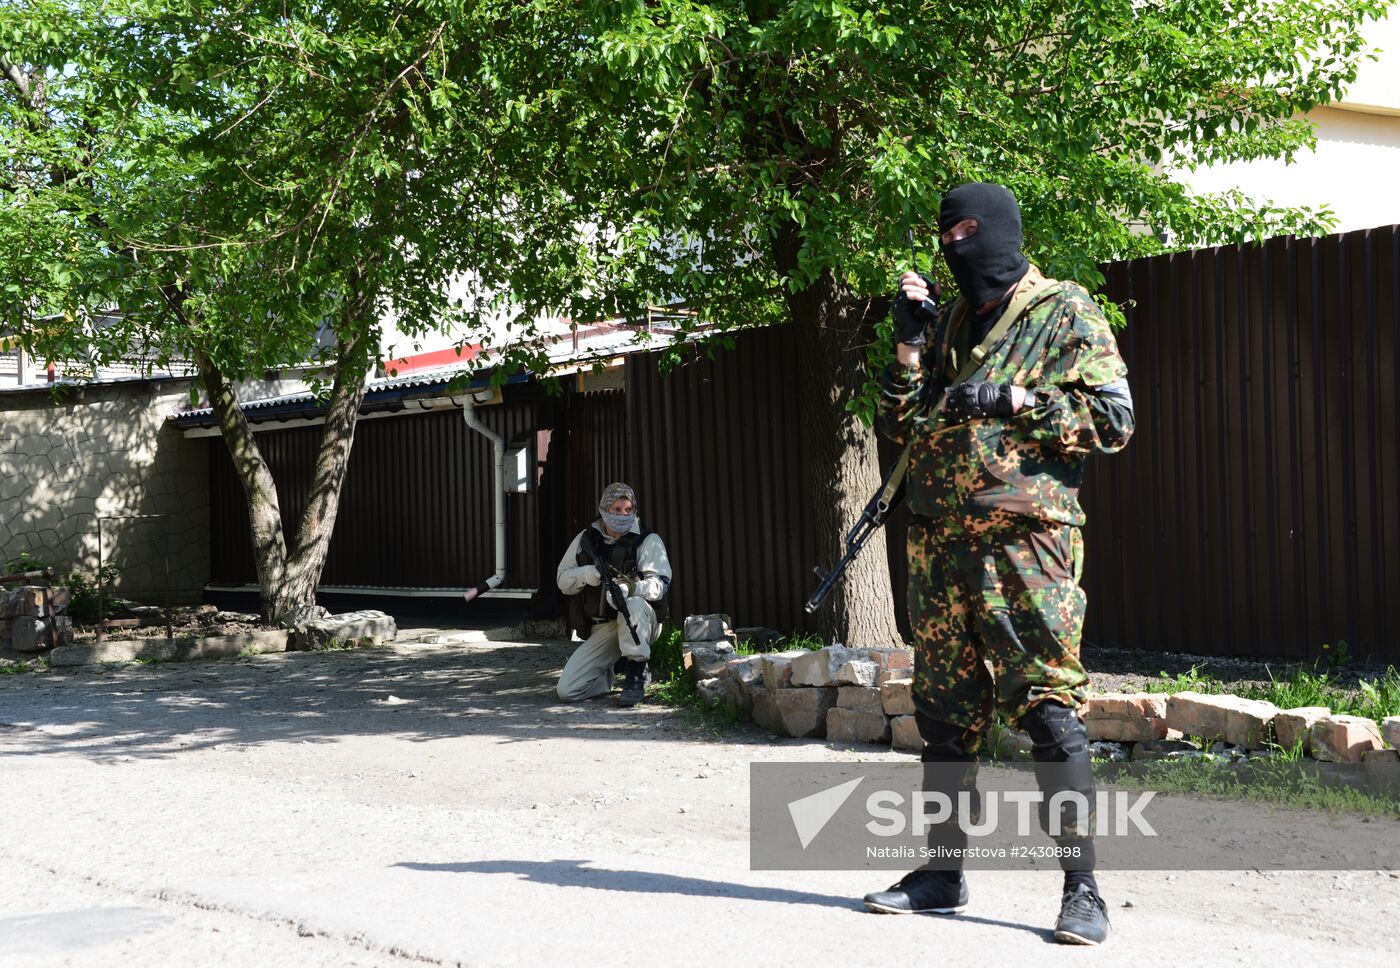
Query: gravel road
[[436, 804]]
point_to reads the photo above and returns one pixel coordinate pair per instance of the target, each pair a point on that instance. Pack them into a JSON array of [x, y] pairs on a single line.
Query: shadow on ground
[[408, 691], [577, 873]]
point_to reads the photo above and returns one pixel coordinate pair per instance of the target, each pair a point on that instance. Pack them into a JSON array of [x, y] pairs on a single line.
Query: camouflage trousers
[[1008, 600]]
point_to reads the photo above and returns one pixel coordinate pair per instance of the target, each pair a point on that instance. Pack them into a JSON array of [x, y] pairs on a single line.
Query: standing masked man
[[642, 572], [1002, 395]]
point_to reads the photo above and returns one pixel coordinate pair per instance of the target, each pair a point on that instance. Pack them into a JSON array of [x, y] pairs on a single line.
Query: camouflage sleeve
[[903, 390], [1083, 404]]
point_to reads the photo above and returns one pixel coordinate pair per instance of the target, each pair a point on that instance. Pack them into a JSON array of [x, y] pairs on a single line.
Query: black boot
[[922, 892], [634, 683]]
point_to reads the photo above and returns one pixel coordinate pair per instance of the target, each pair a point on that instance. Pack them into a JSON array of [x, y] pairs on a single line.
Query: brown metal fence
[[415, 510], [717, 457], [1256, 511]]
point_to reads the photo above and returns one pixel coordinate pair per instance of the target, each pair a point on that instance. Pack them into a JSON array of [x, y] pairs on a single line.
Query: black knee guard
[[950, 769], [946, 742], [1061, 754]]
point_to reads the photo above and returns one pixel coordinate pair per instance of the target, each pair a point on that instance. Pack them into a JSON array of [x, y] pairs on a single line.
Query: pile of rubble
[[844, 695], [866, 696], [1144, 725], [33, 618]]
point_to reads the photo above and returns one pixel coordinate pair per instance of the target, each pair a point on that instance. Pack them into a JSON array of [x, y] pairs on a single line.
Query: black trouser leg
[[1062, 765], [950, 771]]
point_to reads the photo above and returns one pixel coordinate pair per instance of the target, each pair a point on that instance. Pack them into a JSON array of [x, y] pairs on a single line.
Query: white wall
[[1354, 169]]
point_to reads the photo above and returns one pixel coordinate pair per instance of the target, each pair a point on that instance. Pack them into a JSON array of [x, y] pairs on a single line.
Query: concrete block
[[694, 660], [229, 646], [706, 628], [737, 697], [368, 627], [1292, 726], [898, 697], [721, 647], [1124, 705], [904, 734], [28, 633], [32, 600], [777, 668], [710, 691], [890, 660], [855, 726], [1343, 739], [803, 712], [1129, 730], [1249, 723], [865, 699], [764, 708], [819, 668], [1390, 730], [156, 649], [856, 672], [1198, 714]]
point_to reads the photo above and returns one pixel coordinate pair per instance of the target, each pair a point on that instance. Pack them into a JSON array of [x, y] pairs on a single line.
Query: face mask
[[619, 523], [990, 262]]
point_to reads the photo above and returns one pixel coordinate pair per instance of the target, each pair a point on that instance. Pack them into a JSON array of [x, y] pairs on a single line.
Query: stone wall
[[106, 451]]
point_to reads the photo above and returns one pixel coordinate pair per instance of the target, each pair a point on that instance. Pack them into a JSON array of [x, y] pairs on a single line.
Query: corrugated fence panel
[[416, 507], [597, 454], [1255, 511], [717, 458]]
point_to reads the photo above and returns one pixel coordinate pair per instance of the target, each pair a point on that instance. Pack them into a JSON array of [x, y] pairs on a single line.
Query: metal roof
[[383, 394]]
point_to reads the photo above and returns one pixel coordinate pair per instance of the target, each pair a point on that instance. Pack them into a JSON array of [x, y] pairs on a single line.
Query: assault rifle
[[888, 497], [611, 587], [877, 512]]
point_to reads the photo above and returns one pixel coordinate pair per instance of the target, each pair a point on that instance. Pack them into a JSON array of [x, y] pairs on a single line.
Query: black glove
[[968, 401], [910, 320]]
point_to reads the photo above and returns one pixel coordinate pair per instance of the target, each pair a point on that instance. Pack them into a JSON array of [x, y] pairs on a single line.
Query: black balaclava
[[988, 263]]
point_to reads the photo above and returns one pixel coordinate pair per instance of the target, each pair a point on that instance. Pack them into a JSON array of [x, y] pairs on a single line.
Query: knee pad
[[1056, 732], [946, 742], [1061, 754]]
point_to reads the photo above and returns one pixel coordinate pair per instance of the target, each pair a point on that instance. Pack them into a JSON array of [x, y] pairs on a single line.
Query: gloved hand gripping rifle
[[610, 584]]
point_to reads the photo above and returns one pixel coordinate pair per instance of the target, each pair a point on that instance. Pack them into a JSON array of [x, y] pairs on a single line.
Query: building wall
[[1358, 150], [104, 451]]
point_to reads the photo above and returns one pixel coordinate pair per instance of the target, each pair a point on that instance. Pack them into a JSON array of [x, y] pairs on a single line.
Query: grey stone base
[[370, 627], [170, 650]]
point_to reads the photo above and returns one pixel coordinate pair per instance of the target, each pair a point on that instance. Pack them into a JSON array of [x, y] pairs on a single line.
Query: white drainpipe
[[498, 448]]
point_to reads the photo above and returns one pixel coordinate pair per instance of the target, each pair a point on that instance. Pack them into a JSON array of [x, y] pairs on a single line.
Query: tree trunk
[[308, 560], [288, 577], [259, 489], [831, 328]]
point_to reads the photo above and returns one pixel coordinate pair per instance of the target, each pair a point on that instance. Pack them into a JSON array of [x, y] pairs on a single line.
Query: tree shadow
[[502, 690]]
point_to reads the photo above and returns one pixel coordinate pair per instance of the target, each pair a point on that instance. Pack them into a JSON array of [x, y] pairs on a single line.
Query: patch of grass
[[1373, 698], [1191, 680], [805, 640], [667, 654], [1278, 782]]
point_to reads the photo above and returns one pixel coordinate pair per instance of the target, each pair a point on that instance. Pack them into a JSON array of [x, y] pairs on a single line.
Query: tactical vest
[[591, 605]]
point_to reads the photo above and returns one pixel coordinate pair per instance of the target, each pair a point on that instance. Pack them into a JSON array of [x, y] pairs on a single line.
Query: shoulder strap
[[1034, 288]]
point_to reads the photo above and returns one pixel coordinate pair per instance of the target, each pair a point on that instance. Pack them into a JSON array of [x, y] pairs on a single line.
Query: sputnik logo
[[812, 813]]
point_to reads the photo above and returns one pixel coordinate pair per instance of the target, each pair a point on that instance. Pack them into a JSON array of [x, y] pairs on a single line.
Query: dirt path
[[436, 804]]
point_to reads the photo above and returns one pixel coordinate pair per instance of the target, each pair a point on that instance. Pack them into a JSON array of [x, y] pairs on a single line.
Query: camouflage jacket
[[1011, 472]]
